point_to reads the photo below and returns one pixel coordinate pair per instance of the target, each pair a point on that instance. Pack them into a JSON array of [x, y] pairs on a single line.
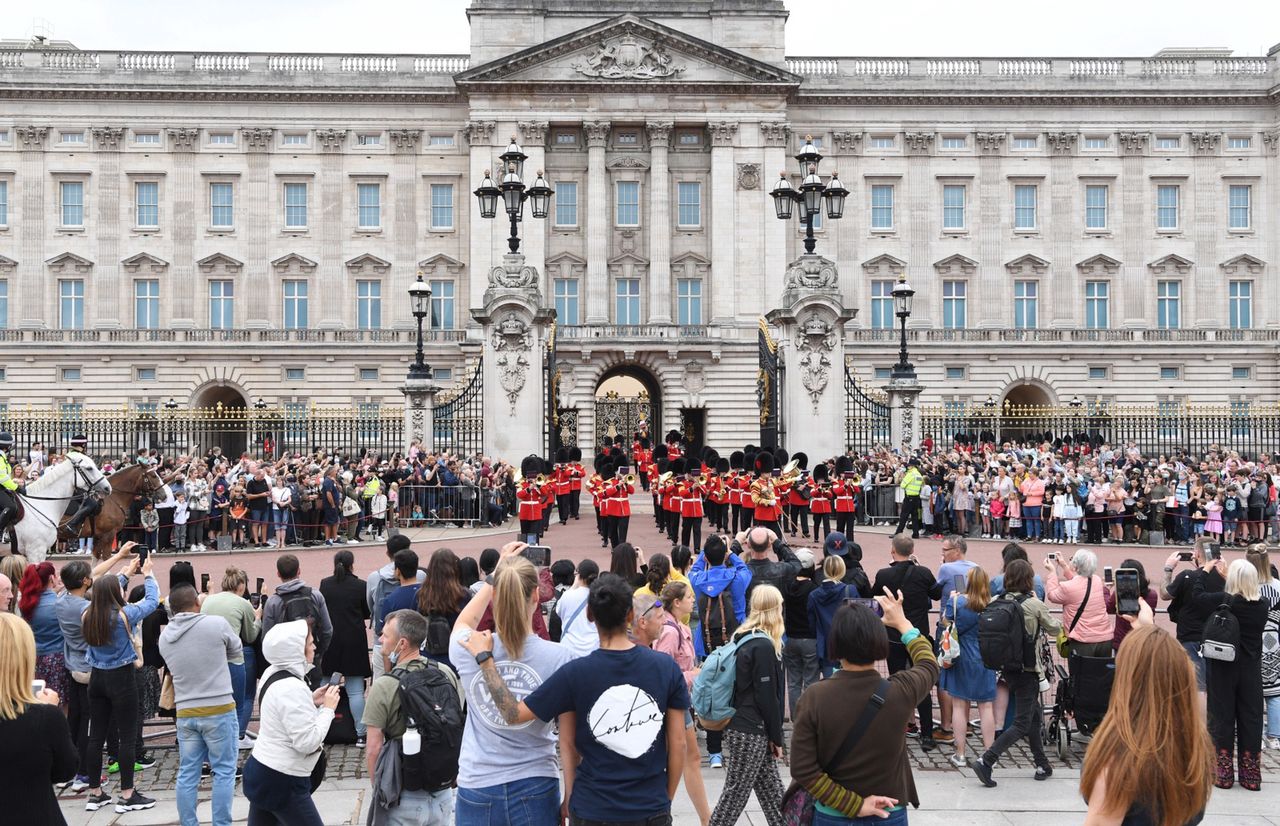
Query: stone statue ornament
[[513, 274], [811, 272], [815, 343], [512, 342], [628, 59]]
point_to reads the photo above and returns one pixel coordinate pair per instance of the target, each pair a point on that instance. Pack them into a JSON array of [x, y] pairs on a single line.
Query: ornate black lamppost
[[514, 193], [902, 295], [811, 195], [420, 302]]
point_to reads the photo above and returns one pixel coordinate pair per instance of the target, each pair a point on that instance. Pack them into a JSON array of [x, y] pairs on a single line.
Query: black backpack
[[1221, 635], [718, 619], [436, 643], [430, 704], [1002, 636], [300, 605]]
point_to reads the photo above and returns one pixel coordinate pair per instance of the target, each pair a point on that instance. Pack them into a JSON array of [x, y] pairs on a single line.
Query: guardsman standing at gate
[[576, 474], [911, 483]]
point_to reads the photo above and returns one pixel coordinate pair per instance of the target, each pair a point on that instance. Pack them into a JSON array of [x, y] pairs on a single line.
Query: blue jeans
[[1193, 651], [533, 801], [1273, 716], [280, 518], [423, 809], [241, 697], [1056, 529], [898, 817], [212, 740], [1031, 519], [355, 695]]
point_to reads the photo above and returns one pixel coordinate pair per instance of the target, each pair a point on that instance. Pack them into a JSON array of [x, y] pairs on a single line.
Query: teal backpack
[[713, 688]]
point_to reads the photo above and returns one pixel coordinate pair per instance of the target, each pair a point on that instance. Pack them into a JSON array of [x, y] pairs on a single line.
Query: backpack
[[1003, 641], [1221, 635], [430, 704], [436, 643], [718, 618], [713, 688], [300, 605]]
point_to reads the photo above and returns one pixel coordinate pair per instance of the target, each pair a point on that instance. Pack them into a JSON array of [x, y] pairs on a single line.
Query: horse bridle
[[81, 474]]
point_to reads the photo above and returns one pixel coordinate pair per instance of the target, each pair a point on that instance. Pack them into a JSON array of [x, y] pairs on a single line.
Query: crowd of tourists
[[582, 693], [211, 500]]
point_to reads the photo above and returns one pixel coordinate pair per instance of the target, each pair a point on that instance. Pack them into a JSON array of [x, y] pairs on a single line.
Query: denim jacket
[[119, 650]]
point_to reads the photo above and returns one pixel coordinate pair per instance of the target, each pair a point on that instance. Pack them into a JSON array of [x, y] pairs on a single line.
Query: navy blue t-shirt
[[621, 699], [406, 596]]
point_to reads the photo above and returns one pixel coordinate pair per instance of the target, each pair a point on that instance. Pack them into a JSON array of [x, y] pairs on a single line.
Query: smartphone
[[37, 686], [257, 588], [204, 583], [1212, 551], [143, 552], [539, 555], [866, 602], [1052, 555], [255, 600], [1186, 556], [335, 679], [1127, 595], [1107, 575], [957, 583]]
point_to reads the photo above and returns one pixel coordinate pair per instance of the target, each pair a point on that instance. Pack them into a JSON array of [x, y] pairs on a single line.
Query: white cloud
[[816, 27]]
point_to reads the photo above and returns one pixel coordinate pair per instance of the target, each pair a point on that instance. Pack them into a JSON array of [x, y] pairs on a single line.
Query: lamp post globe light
[[513, 192], [420, 304], [902, 297], [811, 194]]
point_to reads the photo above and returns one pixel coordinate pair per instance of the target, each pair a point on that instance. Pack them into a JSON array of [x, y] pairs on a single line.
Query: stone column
[[404, 229], [812, 316], [1207, 304], [533, 233], [599, 223], [31, 231], [659, 222], [256, 289], [774, 136], [419, 411], [724, 306], [482, 234], [110, 311], [903, 393], [181, 287], [331, 222], [515, 325], [992, 309], [1063, 306], [1134, 294]]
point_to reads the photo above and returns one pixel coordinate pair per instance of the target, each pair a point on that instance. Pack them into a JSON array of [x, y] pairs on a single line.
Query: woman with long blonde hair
[[1151, 760], [754, 738], [507, 769], [35, 743]]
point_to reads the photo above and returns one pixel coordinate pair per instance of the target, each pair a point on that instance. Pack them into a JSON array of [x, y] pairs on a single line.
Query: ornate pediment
[[628, 50], [628, 259], [884, 265], [1099, 265], [1241, 264], [293, 264], [7, 264], [1027, 265], [691, 264], [368, 264], [219, 262], [956, 265], [69, 262], [144, 262], [1171, 265], [441, 264]]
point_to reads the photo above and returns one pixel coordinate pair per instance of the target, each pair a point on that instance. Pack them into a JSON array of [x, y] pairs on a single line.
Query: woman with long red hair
[[1150, 763], [37, 602]]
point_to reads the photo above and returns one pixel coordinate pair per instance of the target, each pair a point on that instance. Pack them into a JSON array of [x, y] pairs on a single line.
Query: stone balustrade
[[1057, 336]]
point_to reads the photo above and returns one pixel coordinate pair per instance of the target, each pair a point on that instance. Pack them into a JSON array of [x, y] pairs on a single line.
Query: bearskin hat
[[735, 460], [562, 455], [615, 454], [802, 460], [722, 465], [546, 467], [663, 465], [659, 452], [710, 457], [820, 473], [780, 458], [605, 468], [765, 462], [677, 467], [530, 466], [575, 454], [644, 442], [673, 436], [844, 464]]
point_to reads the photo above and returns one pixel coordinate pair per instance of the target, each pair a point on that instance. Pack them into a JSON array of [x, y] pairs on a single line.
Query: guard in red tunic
[[576, 474], [563, 480], [643, 457], [718, 496], [767, 507], [529, 499], [798, 497], [820, 498], [734, 492], [673, 446], [595, 487], [548, 494], [618, 491], [846, 496], [670, 499], [658, 466], [690, 492]]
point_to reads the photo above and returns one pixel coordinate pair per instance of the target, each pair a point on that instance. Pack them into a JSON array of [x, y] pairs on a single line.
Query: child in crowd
[[181, 513], [1213, 513], [150, 524], [926, 510], [378, 514], [1071, 514], [940, 504], [1230, 514], [984, 510], [998, 509], [1195, 507], [1057, 528], [239, 511], [1015, 515]]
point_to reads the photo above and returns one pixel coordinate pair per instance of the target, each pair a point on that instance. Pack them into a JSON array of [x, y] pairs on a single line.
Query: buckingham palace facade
[[227, 226]]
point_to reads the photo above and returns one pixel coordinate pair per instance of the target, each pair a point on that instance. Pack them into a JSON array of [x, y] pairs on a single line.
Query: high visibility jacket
[[6, 473], [911, 482], [372, 487]]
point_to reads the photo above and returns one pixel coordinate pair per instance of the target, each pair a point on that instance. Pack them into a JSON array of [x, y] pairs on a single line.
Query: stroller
[[1082, 695]]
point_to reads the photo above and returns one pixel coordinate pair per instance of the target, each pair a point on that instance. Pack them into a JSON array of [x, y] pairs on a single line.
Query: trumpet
[[540, 480], [701, 480], [664, 478], [630, 479]]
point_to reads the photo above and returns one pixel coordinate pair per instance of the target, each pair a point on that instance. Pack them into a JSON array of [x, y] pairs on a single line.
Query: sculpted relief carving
[[811, 272], [512, 341], [628, 59], [815, 343]]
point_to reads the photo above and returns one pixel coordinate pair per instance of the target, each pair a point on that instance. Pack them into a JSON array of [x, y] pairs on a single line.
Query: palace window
[[71, 304], [221, 205], [369, 305], [953, 207], [1026, 142], [1025, 304], [146, 304], [1170, 373], [628, 301], [628, 206], [955, 374], [369, 139], [4, 203], [882, 206], [1095, 206], [1024, 206], [222, 138], [1240, 304], [1096, 143], [882, 304], [689, 301], [1167, 207], [1168, 304], [1241, 373], [69, 374], [1097, 296], [295, 374], [368, 374], [881, 142], [295, 139], [71, 137], [71, 196], [1168, 142], [442, 206], [295, 304], [953, 304], [441, 140], [145, 373], [146, 138], [1239, 206], [689, 194], [295, 206], [4, 303], [1097, 373], [147, 203], [222, 305], [566, 300], [954, 142], [369, 206], [1239, 143], [441, 305], [566, 201]]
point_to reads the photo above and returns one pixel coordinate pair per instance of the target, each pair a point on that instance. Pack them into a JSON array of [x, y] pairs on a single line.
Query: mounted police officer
[[8, 485], [87, 503]]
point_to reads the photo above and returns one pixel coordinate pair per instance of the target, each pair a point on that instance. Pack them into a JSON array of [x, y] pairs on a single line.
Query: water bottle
[[412, 742]]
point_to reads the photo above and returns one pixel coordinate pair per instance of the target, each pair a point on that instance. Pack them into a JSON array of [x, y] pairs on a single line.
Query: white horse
[[45, 503]]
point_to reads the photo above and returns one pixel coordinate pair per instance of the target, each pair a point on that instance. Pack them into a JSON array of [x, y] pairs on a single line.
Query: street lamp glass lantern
[[784, 195], [540, 197], [835, 195], [487, 193], [902, 295], [809, 155], [420, 297], [512, 192], [514, 155], [811, 190]]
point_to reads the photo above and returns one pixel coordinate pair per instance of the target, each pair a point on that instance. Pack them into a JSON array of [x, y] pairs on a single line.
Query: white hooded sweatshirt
[[292, 728]]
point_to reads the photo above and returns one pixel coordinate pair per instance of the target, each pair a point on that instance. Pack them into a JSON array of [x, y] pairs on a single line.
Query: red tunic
[[530, 500], [669, 501], [617, 492], [796, 495], [844, 490], [690, 497], [769, 511], [820, 498], [548, 496], [717, 492], [564, 480], [731, 487], [576, 472]]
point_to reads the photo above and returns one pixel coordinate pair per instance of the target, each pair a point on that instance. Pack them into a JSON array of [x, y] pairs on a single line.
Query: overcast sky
[[816, 27]]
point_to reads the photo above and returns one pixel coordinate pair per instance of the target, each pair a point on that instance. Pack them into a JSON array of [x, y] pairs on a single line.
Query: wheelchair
[[1080, 700]]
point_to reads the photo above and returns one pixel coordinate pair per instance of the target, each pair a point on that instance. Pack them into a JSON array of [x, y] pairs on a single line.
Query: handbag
[[1063, 642], [798, 803], [949, 645]]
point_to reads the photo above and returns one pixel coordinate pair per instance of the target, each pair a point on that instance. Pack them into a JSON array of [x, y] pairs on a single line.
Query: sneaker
[[113, 767], [927, 744], [360, 741], [983, 771], [913, 730], [958, 761], [715, 761], [1044, 772], [206, 770], [134, 803], [941, 735], [144, 761], [352, 542], [246, 742], [97, 801], [76, 785]]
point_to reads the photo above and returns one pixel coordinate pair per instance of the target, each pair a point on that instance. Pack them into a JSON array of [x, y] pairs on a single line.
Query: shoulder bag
[[1063, 641], [798, 804]]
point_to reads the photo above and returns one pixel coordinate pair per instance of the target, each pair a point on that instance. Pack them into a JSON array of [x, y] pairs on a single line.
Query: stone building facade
[[223, 227]]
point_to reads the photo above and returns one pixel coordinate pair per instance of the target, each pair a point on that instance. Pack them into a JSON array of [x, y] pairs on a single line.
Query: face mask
[[393, 657]]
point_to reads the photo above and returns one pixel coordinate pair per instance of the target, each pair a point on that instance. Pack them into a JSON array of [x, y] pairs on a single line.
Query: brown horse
[[107, 522]]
